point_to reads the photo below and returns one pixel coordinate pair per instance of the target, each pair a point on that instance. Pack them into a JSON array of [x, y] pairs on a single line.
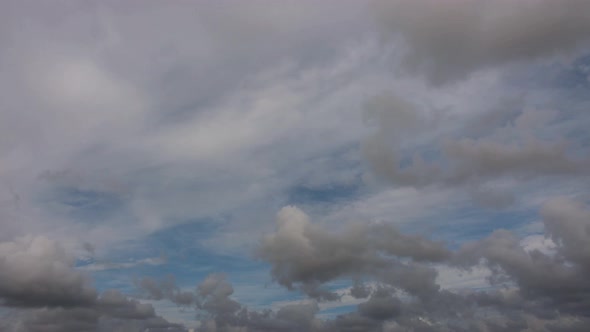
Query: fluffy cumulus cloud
[[37, 271], [40, 284], [306, 255], [527, 289], [322, 166]]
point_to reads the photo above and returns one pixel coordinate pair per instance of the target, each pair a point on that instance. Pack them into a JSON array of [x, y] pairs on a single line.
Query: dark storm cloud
[[448, 40]]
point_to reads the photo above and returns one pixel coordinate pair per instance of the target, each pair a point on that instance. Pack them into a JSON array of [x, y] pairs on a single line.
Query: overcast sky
[[296, 165]]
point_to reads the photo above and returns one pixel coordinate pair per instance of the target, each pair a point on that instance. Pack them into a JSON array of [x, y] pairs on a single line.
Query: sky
[[295, 165]]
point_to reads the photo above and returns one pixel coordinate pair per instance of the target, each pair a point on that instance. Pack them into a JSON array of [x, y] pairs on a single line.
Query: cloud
[[122, 120], [304, 254], [102, 266], [447, 41], [37, 272], [38, 281], [529, 288], [165, 288], [520, 149], [210, 91], [218, 311]]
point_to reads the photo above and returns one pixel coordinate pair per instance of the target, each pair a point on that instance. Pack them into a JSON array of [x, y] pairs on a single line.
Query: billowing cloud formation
[[217, 311], [38, 281], [306, 255], [529, 289], [35, 271], [448, 41], [165, 288]]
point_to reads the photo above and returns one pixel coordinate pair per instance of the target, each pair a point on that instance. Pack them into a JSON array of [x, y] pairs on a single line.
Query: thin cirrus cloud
[[302, 166]]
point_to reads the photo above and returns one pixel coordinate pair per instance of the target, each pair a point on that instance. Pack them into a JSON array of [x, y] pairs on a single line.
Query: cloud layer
[[447, 42], [412, 165]]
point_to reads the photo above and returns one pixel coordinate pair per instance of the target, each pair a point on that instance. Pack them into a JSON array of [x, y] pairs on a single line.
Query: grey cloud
[[359, 290], [531, 290], [560, 280], [39, 283], [165, 288], [304, 255], [89, 248], [137, 91], [381, 306], [58, 320], [395, 116], [225, 314], [153, 324], [493, 197], [567, 223], [68, 64], [484, 159], [447, 41], [115, 304], [36, 272], [214, 296], [112, 311], [300, 314], [225, 42], [516, 149]]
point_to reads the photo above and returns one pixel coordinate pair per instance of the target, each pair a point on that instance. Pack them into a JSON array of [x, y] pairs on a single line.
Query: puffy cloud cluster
[[35, 271], [218, 312], [530, 289], [165, 288], [43, 292], [307, 256]]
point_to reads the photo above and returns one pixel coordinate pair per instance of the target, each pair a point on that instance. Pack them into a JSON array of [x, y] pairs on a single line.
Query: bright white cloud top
[[401, 165]]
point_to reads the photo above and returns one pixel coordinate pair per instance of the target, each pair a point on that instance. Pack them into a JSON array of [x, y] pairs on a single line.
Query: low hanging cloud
[[39, 284], [529, 288], [35, 272], [165, 288], [216, 311], [447, 41], [305, 256]]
